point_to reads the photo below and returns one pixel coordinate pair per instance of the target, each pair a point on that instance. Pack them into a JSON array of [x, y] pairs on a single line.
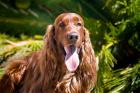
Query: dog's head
[[69, 32]]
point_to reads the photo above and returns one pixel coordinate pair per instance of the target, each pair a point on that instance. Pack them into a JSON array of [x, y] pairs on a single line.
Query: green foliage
[[14, 48], [17, 18], [19, 50], [114, 30], [124, 80]]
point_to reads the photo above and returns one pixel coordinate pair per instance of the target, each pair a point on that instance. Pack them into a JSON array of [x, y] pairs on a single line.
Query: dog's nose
[[73, 36]]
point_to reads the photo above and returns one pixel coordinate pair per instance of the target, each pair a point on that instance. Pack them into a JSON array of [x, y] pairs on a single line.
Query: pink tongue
[[71, 59]]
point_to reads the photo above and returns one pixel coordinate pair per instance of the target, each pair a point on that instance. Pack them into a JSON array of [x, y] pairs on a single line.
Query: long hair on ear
[[88, 63], [43, 64], [50, 43]]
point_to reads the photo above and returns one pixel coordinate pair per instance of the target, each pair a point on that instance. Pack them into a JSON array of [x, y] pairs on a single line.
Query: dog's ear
[[87, 45], [49, 39], [88, 61], [50, 32], [87, 41]]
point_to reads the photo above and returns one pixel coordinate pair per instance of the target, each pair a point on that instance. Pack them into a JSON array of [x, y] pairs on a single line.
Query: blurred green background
[[114, 30]]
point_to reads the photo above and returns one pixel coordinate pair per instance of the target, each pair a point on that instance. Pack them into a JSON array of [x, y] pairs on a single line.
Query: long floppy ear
[[49, 35], [43, 64], [47, 59], [49, 39], [87, 48], [88, 63]]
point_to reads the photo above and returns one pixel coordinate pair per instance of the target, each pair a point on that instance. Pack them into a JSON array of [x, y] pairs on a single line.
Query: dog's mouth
[[71, 58]]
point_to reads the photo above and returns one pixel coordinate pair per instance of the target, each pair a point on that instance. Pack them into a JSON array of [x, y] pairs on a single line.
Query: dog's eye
[[62, 25], [79, 24]]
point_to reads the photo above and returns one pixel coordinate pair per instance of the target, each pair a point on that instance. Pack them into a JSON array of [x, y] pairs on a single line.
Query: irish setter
[[65, 64]]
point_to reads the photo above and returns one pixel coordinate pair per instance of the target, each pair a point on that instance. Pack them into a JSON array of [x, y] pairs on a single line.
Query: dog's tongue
[[71, 58]]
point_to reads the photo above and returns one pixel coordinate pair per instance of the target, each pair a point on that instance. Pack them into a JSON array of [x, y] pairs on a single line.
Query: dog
[[65, 64]]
